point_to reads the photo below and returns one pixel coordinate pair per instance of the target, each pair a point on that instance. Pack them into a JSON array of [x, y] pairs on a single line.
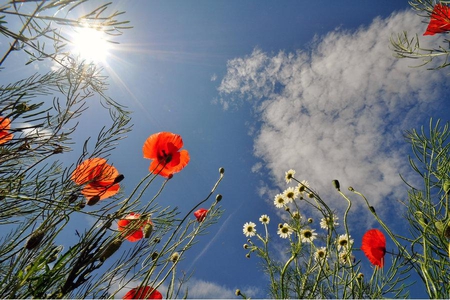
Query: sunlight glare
[[90, 44]]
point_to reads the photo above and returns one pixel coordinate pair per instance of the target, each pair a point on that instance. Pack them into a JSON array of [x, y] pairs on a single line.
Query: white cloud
[[201, 289], [338, 111]]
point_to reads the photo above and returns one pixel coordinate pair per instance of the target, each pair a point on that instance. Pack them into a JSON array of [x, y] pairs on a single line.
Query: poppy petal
[[374, 246], [146, 292], [5, 135], [200, 214], [439, 20], [156, 143]]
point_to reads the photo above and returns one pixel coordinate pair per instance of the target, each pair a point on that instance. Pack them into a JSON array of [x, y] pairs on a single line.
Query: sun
[[90, 44]]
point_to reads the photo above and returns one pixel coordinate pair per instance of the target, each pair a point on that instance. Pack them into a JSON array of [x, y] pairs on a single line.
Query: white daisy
[[320, 254], [249, 229], [344, 242], [284, 231], [308, 235], [290, 194], [289, 175], [326, 222], [279, 201], [264, 219], [302, 186]]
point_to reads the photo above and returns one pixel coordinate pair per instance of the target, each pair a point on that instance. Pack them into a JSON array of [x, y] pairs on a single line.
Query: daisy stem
[[283, 293]]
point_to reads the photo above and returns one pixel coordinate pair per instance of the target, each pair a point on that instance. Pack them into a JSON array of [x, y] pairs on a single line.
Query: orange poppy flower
[[439, 20], [374, 246], [145, 292], [133, 231], [5, 126], [101, 179], [200, 214], [164, 149]]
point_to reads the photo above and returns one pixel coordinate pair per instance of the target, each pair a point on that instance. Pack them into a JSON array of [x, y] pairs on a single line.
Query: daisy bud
[[295, 215], [118, 179], [157, 240], [174, 257], [446, 187], [110, 250], [311, 195], [360, 276], [148, 229], [238, 292], [35, 239], [351, 189], [336, 184], [310, 220], [221, 170], [247, 255], [154, 255], [218, 198], [287, 208], [245, 246], [93, 200]]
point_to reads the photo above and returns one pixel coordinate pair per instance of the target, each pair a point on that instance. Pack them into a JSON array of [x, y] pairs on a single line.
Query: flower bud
[[245, 246], [311, 195], [336, 184], [310, 220], [351, 189], [446, 187], [154, 255], [238, 292], [118, 179], [35, 239], [148, 229], [110, 250], [221, 170], [174, 257], [372, 209], [93, 200], [72, 198], [247, 255], [218, 197]]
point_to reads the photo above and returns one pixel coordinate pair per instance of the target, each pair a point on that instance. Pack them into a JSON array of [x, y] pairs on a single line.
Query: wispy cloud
[[338, 110]]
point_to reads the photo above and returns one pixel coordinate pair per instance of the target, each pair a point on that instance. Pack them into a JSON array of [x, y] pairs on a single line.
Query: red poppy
[[374, 246], [133, 226], [439, 20], [145, 292], [5, 135], [164, 149], [101, 179], [200, 214]]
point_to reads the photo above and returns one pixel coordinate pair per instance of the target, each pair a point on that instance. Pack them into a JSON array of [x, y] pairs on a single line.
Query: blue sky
[[260, 87]]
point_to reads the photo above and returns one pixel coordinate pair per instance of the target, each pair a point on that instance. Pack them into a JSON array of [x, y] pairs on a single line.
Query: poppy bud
[[110, 250], [372, 209], [157, 240], [58, 150], [93, 200], [35, 239], [72, 198], [22, 107], [311, 195], [148, 229], [154, 255], [336, 184], [118, 179], [81, 205], [218, 198], [221, 170]]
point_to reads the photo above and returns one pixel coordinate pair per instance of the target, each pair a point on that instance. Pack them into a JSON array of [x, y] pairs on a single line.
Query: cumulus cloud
[[338, 110]]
